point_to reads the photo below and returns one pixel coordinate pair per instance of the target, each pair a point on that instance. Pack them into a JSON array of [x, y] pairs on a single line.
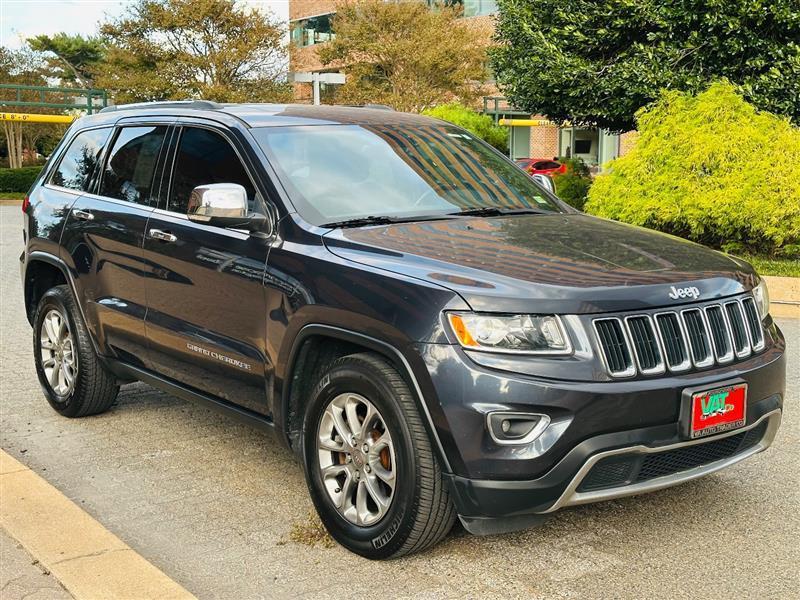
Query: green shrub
[[710, 168], [18, 180], [572, 189], [481, 125], [573, 186]]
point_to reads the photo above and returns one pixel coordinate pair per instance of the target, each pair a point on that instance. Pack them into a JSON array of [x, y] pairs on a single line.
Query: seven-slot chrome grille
[[681, 339]]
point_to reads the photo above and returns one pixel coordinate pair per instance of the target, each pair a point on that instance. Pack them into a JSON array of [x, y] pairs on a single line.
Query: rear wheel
[[369, 464], [74, 381]]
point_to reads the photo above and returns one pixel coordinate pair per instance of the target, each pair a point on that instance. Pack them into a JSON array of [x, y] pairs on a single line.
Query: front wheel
[[370, 468]]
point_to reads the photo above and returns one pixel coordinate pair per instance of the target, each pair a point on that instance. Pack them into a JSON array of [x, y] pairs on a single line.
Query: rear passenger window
[[205, 157], [131, 164], [80, 160]]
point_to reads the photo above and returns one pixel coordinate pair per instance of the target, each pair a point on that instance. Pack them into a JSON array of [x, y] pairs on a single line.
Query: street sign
[[329, 78], [35, 118]]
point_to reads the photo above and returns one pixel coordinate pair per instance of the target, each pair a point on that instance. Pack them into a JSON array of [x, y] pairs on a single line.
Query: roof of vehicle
[[272, 115]]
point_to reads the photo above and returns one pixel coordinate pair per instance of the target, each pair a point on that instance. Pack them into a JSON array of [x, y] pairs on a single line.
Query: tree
[[74, 57], [177, 49], [706, 167], [597, 63], [403, 54], [21, 67]]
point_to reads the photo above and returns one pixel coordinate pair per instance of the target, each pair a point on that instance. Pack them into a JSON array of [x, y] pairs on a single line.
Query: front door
[[206, 318]]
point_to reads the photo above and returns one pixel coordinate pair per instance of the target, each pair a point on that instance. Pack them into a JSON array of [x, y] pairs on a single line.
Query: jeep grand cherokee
[[431, 332]]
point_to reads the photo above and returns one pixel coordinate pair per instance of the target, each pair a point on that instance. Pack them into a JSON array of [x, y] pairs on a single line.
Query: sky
[[20, 19]]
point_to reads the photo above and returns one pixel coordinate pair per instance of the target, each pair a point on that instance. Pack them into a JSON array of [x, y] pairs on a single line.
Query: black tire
[[94, 389], [421, 512]]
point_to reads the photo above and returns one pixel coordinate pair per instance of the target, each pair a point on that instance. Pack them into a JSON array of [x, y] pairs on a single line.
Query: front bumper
[[614, 434], [610, 466]]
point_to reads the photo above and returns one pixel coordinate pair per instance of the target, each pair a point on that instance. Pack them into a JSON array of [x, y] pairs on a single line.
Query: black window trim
[[118, 127], [169, 166], [48, 178]]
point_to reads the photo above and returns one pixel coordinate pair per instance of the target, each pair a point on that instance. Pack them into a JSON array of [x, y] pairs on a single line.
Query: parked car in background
[[541, 166]]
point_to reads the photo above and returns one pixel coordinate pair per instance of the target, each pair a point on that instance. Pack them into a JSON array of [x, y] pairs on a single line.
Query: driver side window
[[204, 157]]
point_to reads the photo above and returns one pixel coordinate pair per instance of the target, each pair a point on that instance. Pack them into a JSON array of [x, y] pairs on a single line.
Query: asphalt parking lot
[[224, 510]]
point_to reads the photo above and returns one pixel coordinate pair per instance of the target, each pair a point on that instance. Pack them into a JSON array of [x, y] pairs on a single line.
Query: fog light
[[507, 428]]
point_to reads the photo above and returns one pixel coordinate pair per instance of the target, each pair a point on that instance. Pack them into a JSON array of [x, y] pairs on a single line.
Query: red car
[[541, 166]]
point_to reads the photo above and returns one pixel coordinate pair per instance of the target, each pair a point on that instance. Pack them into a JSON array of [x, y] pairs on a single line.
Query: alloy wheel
[[58, 353], [356, 459]]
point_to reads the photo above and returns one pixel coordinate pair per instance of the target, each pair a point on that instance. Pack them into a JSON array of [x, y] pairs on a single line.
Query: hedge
[[710, 168], [18, 180], [573, 186]]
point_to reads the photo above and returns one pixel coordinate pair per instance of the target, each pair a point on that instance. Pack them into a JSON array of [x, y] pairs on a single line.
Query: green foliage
[[18, 180], [74, 57], [710, 168], [573, 186], [597, 63], [219, 50], [481, 125], [403, 54], [576, 166], [780, 267]]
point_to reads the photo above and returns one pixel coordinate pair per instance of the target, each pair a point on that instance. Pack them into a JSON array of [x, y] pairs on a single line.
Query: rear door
[[206, 317], [103, 239]]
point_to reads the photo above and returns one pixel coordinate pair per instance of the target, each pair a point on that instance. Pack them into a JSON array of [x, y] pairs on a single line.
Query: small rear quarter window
[[80, 160]]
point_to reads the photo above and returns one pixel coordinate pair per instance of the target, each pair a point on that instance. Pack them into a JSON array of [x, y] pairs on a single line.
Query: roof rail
[[191, 104], [378, 106]]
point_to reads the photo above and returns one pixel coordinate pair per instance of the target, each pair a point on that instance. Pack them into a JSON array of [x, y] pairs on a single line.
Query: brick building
[[531, 136]]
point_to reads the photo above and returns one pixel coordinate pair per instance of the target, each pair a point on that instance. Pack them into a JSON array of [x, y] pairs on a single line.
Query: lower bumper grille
[[627, 469]]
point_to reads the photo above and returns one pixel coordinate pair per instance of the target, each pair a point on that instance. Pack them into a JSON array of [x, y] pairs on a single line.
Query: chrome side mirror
[[215, 200], [223, 205], [545, 182]]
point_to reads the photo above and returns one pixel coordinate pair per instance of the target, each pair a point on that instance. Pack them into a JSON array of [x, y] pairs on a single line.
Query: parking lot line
[[88, 560]]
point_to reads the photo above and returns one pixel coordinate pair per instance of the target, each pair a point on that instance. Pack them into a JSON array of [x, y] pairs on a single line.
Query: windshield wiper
[[496, 211], [382, 220]]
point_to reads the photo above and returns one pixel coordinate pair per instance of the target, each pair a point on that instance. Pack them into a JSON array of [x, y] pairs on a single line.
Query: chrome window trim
[[660, 368], [748, 346], [709, 359], [571, 497], [729, 356], [687, 362], [631, 370]]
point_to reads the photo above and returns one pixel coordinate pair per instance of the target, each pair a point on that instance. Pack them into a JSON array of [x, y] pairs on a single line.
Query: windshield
[[340, 172]]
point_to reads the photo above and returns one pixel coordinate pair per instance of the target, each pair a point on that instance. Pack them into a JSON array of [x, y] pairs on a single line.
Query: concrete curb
[[86, 558]]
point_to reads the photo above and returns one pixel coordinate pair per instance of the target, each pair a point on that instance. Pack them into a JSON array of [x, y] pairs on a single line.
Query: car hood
[[561, 263]]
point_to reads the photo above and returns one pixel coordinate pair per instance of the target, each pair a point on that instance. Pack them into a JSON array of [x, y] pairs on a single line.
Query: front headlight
[[522, 334], [761, 296]]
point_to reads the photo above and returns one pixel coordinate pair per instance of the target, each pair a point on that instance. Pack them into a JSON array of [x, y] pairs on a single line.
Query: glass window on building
[[313, 30], [472, 8]]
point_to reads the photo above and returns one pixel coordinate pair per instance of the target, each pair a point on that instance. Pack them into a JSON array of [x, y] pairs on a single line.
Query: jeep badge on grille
[[684, 292]]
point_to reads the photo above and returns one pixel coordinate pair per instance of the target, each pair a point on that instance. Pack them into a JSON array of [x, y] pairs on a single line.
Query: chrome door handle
[[83, 215], [157, 234]]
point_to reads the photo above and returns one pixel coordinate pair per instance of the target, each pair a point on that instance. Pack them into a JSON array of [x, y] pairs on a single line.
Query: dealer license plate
[[715, 411]]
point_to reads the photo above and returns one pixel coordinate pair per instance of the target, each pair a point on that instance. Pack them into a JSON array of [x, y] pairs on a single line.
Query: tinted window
[[205, 157], [80, 159], [131, 164], [546, 164], [340, 172]]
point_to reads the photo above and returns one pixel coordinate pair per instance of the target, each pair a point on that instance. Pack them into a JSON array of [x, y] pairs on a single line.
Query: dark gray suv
[[431, 332]]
